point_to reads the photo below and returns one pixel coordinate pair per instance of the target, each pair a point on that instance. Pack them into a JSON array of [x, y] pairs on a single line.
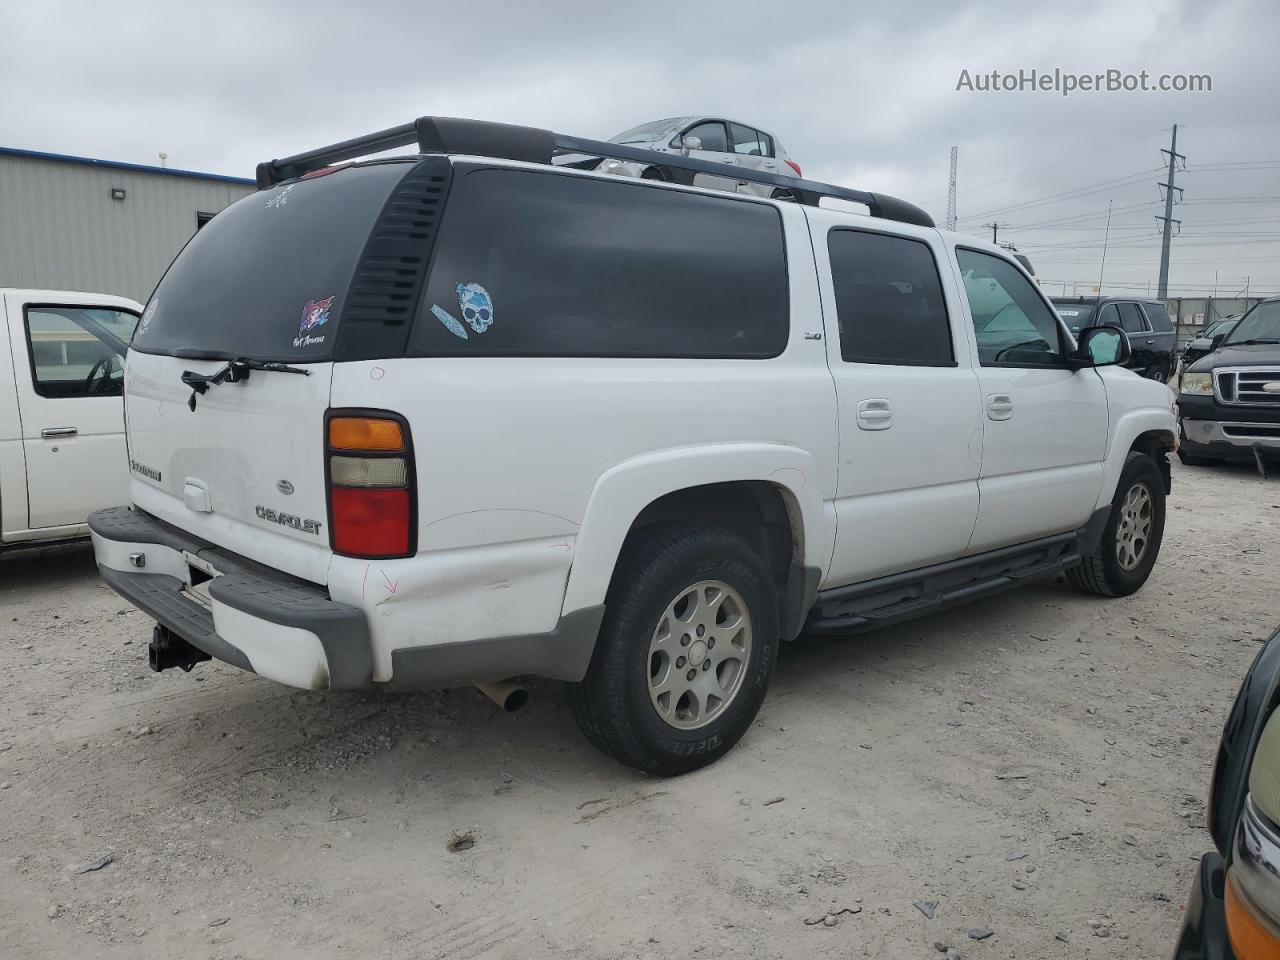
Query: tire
[[655, 173], [782, 194], [620, 706], [1155, 372], [1190, 460], [1113, 570]]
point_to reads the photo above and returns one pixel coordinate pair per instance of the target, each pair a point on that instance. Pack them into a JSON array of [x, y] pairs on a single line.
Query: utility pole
[[1102, 270], [951, 191], [1168, 220], [995, 229]]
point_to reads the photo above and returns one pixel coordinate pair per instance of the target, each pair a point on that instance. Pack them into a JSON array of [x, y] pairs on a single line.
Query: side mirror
[[1216, 340], [1104, 346], [690, 143]]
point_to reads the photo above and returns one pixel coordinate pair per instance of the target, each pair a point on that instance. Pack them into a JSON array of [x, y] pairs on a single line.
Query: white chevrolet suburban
[[62, 452], [464, 416]]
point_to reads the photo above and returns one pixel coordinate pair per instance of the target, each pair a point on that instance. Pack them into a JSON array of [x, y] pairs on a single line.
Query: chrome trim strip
[[1257, 862], [1235, 372]]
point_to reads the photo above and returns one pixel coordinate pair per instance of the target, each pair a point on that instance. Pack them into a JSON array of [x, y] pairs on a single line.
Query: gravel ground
[[1035, 765]]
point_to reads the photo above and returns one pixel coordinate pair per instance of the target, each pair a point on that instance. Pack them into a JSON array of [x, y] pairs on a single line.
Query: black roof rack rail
[[506, 141]]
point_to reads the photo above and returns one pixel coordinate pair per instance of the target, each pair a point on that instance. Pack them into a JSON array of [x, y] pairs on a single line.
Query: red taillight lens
[[370, 523], [794, 166], [371, 485]]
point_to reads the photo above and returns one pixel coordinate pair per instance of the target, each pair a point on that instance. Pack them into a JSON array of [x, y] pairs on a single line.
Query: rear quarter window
[[1158, 316], [545, 264]]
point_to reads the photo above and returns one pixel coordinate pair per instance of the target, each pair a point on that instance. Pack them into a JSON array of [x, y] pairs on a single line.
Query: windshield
[[1260, 323], [267, 277], [649, 132]]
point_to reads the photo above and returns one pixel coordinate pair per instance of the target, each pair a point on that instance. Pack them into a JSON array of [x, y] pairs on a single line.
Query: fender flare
[[1131, 425], [624, 490]]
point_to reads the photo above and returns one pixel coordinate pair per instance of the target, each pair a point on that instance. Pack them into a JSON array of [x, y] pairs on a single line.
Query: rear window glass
[[543, 264], [266, 277]]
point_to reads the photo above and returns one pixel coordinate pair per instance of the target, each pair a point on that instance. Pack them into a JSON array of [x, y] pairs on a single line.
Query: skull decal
[[476, 306]]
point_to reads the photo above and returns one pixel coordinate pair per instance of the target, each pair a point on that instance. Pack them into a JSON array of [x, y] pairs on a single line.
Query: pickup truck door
[[1044, 424], [910, 423], [68, 364]]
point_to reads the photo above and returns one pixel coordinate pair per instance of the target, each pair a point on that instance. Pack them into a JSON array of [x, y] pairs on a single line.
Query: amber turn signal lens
[[1252, 937], [365, 434]]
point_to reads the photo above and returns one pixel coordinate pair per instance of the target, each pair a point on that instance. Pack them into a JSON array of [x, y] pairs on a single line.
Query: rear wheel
[[780, 193], [686, 651], [1131, 540], [1156, 372], [655, 173]]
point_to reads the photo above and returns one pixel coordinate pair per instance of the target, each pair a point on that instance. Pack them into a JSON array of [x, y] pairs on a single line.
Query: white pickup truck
[[62, 451], [464, 416]]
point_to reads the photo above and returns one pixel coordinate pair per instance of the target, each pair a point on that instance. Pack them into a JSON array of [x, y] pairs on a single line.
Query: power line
[[1128, 180]]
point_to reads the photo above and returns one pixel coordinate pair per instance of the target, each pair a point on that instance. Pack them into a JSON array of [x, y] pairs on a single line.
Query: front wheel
[[1131, 540], [685, 653]]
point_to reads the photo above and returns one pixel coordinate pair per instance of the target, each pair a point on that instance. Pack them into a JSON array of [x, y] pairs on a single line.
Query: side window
[[78, 351], [549, 264], [746, 140], [1014, 326], [1109, 316], [1131, 318], [889, 301], [711, 135], [1158, 317]]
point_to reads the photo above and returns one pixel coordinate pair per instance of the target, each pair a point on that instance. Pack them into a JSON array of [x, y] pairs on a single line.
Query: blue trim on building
[[132, 167]]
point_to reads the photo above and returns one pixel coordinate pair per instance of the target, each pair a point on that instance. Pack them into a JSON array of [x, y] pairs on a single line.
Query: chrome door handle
[[999, 406], [1150, 341], [51, 433], [875, 414]]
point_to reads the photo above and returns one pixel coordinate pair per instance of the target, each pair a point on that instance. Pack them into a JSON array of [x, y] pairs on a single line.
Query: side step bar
[[903, 596]]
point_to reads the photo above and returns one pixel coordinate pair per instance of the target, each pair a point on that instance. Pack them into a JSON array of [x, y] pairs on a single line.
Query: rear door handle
[[1150, 341], [52, 433], [875, 414], [999, 406]]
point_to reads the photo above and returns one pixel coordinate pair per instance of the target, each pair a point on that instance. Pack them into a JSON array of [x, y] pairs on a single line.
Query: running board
[[904, 596]]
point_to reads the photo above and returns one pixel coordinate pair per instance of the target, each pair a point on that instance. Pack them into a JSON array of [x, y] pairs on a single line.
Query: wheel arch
[[1149, 431], [769, 491]]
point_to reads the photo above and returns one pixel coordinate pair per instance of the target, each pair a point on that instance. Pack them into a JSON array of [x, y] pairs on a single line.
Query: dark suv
[[1150, 329]]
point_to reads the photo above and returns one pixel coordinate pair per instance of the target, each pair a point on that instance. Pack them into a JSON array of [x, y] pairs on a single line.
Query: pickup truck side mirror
[[690, 143], [1216, 340], [1104, 346]]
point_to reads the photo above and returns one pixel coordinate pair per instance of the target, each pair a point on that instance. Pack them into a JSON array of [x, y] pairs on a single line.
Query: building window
[[202, 218]]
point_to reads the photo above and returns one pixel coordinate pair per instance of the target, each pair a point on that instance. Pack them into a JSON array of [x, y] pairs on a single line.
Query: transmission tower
[[951, 191], [1167, 219]]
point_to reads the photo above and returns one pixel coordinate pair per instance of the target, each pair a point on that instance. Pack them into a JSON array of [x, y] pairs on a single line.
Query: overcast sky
[[862, 94]]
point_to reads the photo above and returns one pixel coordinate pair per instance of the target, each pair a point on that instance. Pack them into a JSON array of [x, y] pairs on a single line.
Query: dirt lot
[[1036, 765]]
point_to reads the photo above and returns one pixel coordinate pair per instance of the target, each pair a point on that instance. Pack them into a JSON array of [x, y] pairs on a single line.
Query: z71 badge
[[288, 520]]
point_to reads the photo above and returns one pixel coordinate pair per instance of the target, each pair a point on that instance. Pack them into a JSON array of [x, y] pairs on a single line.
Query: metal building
[[72, 223]]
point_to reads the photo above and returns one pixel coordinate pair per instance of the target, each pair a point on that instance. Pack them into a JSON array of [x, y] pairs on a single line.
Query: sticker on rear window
[[476, 306], [314, 314], [449, 320]]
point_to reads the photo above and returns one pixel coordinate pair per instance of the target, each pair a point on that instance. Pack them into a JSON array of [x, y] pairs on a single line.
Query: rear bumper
[[293, 631], [1204, 925], [259, 619]]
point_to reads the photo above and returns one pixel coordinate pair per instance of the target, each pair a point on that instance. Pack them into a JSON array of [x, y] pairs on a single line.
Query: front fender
[[626, 489], [1138, 406]]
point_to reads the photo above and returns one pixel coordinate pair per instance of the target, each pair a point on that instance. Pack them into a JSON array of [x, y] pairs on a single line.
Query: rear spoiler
[[481, 138]]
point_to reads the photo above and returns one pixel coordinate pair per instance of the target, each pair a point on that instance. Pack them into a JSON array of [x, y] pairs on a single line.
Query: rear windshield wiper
[[234, 372]]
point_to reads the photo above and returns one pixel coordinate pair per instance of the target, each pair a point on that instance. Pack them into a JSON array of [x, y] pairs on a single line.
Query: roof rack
[[506, 141]]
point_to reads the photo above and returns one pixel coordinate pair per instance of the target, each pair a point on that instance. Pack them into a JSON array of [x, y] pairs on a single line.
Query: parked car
[[1210, 339], [612, 431], [1146, 323], [1230, 400], [62, 452], [712, 139], [1233, 912]]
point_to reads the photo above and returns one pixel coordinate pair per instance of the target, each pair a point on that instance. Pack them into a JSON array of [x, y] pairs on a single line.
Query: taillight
[[794, 166], [372, 501]]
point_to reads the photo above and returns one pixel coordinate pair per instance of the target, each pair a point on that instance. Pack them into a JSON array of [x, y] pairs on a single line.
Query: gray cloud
[[862, 94]]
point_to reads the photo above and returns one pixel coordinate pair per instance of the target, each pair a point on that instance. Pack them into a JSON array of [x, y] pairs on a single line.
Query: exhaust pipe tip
[[508, 695]]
